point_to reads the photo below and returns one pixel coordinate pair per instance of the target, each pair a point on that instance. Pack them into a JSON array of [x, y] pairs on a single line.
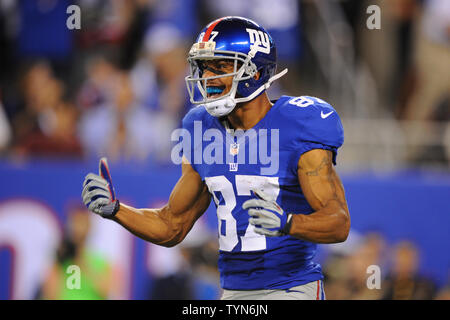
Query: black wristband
[[116, 208], [110, 210], [287, 226]]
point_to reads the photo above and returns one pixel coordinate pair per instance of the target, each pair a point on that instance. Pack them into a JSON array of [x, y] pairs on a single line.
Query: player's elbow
[[342, 235], [169, 243], [175, 235], [172, 241], [343, 226]]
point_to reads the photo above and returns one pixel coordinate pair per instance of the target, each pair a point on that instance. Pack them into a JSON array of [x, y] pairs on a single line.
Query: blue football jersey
[[234, 162]]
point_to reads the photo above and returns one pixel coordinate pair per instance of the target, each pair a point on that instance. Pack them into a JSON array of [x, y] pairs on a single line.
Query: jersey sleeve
[[313, 124], [192, 125]]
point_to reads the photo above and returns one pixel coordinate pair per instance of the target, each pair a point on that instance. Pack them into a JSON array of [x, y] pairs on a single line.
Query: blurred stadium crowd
[[116, 88]]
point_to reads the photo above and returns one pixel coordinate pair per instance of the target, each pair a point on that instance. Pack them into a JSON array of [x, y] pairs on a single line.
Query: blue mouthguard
[[214, 90]]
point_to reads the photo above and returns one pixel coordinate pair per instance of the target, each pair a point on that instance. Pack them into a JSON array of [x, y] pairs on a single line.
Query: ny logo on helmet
[[260, 42]]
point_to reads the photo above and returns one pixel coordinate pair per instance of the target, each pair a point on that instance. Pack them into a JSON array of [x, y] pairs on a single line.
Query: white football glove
[[98, 192], [267, 216]]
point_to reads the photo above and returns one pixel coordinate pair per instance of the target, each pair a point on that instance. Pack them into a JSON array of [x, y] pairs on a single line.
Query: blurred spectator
[[388, 51], [105, 22], [47, 125], [140, 11], [121, 128], [171, 273], [182, 15], [404, 281], [145, 83], [346, 272], [158, 74], [428, 101], [432, 61], [98, 87], [200, 249], [281, 19], [371, 253], [336, 275], [5, 129], [167, 49], [8, 31], [96, 280], [42, 33], [188, 271]]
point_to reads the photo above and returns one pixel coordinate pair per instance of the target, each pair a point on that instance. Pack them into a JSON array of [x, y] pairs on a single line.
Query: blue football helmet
[[251, 49]]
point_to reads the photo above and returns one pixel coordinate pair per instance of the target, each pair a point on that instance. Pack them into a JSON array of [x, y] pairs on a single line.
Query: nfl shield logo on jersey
[[234, 149]]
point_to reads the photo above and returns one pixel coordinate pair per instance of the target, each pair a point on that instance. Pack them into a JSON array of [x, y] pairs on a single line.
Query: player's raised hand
[[98, 192], [267, 216]]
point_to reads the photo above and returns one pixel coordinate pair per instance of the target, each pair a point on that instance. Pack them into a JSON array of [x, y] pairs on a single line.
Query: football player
[[269, 222]]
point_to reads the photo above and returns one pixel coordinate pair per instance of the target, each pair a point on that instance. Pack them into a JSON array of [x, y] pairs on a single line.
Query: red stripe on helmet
[[210, 29]]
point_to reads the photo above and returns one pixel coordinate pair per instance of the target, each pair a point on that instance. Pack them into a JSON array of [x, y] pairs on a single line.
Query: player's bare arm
[[166, 226], [170, 224], [322, 187]]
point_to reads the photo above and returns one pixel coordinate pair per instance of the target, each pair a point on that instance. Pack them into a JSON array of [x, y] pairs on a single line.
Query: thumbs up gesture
[[98, 192]]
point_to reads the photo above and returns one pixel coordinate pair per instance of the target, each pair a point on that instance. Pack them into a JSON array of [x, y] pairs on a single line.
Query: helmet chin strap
[[262, 88], [223, 107]]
